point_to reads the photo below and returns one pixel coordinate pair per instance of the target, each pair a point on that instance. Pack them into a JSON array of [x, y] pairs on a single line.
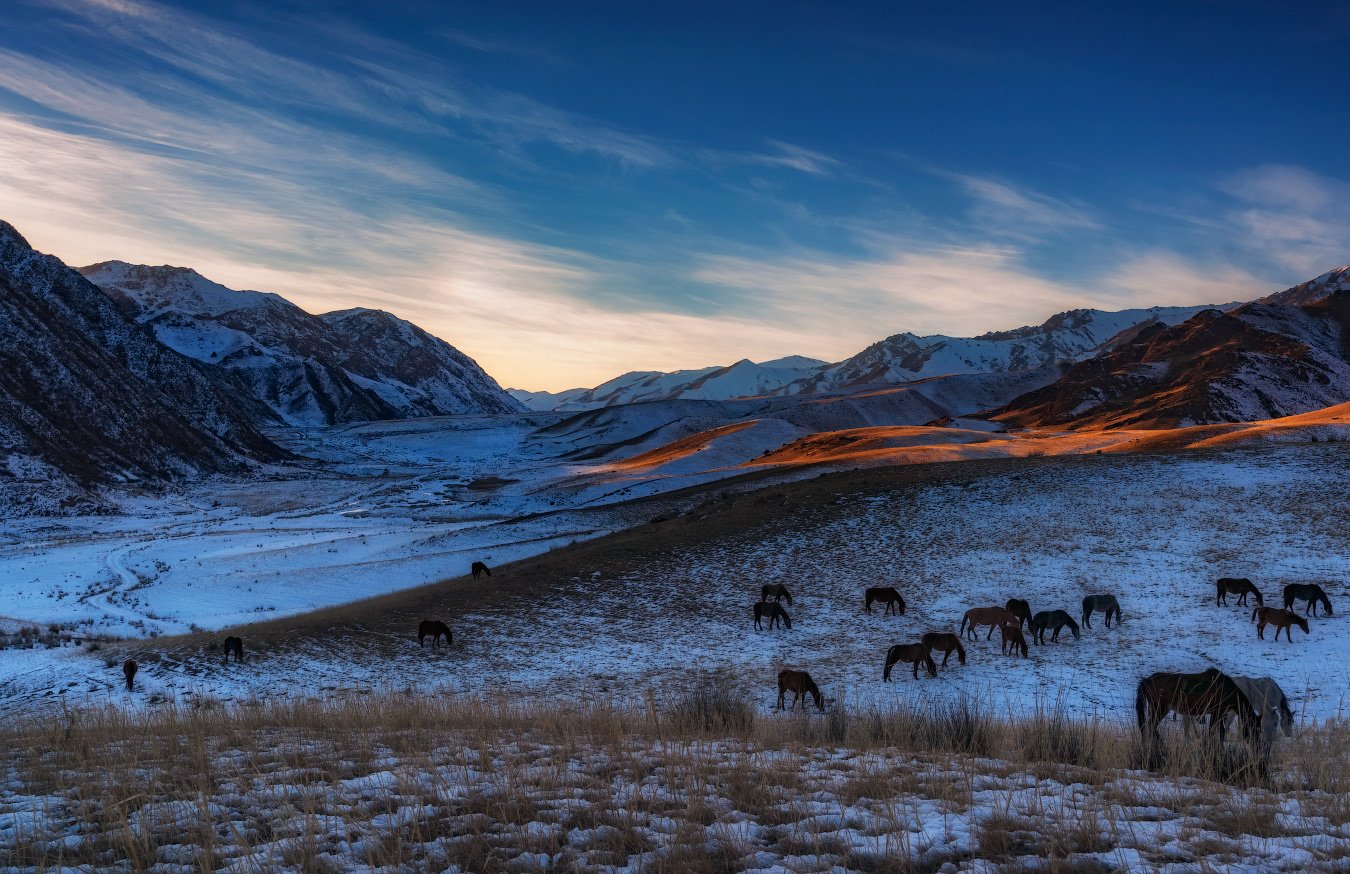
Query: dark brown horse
[[436, 629], [991, 616], [1281, 619], [1013, 640], [1019, 608], [1209, 693], [884, 595], [945, 643], [1101, 604], [915, 653], [1052, 620], [800, 684], [774, 612], [478, 568], [777, 591], [234, 645], [129, 671], [1240, 586], [1310, 592]]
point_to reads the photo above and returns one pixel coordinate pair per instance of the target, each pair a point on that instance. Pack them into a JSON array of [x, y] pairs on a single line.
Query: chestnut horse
[[945, 643], [800, 684], [915, 653], [478, 568], [234, 645], [1237, 586], [1281, 619], [1052, 620], [1013, 640], [774, 612], [777, 591], [436, 629], [991, 616], [1310, 592], [129, 671], [1101, 604], [1019, 608], [885, 595], [1209, 693]]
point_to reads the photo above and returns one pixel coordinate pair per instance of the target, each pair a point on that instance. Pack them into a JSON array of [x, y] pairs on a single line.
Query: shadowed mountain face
[[89, 395], [302, 369]]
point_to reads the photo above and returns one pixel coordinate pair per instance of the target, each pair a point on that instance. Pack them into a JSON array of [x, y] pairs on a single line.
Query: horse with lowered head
[[1101, 604], [777, 591], [1270, 703], [914, 653], [1281, 619], [1013, 640], [1209, 693], [478, 568], [1240, 586], [1310, 592], [436, 630], [1019, 608], [1052, 620], [774, 612], [800, 684], [945, 643], [991, 616], [234, 645], [884, 595]]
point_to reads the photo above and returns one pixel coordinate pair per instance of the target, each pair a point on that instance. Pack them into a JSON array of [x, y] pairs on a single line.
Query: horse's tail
[[1141, 705], [1255, 610], [867, 601], [890, 663], [963, 622], [930, 664], [1218, 591]]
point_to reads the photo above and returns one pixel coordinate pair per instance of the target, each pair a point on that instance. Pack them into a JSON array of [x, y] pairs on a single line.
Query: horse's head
[[787, 620], [1302, 623]]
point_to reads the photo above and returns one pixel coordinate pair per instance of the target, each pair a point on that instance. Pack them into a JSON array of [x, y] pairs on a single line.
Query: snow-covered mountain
[[87, 396], [743, 379], [1314, 289], [347, 366]]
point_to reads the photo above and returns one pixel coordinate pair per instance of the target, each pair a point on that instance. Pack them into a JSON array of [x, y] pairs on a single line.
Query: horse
[[774, 612], [436, 629], [1101, 604], [886, 595], [129, 671], [1019, 608], [800, 684], [945, 643], [777, 591], [1237, 586], [1310, 592], [1013, 640], [915, 653], [1270, 703], [478, 568], [1052, 620], [1281, 619], [1208, 693], [234, 645], [991, 616]]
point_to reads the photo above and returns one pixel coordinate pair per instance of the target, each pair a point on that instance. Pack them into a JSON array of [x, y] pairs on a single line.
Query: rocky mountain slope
[[88, 397], [347, 366]]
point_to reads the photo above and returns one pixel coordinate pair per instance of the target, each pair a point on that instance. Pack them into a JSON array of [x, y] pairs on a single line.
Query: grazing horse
[[774, 612], [129, 671], [1240, 586], [991, 616], [1208, 693], [885, 595], [1019, 608], [436, 629], [1101, 604], [234, 645], [945, 643], [1310, 592], [915, 653], [1270, 703], [777, 591], [1013, 640], [1052, 620], [1281, 619], [478, 568], [800, 684]]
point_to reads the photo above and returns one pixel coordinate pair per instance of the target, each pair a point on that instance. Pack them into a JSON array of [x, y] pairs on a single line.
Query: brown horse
[[1310, 592], [991, 616], [478, 568], [1240, 586], [777, 591], [945, 643], [436, 629], [885, 595], [1019, 608], [1209, 693], [1013, 640], [800, 684], [774, 612], [129, 671], [1281, 619], [914, 653], [234, 645]]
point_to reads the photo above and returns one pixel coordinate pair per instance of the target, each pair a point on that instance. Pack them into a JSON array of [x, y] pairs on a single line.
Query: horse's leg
[[945, 656], [990, 634]]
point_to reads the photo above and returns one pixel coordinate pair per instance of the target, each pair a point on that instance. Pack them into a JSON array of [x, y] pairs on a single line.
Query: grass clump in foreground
[[694, 783]]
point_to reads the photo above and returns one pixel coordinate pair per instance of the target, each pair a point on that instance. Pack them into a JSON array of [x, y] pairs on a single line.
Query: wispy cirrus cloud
[[780, 155], [1297, 218]]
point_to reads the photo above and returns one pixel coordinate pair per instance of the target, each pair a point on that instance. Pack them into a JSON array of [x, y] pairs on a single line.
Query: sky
[[568, 191]]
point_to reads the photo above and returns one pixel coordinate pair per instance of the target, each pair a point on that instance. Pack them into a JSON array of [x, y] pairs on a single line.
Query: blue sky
[[568, 191]]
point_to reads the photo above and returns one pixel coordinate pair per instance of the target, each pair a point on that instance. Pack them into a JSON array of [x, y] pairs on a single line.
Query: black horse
[[774, 612], [777, 591], [914, 653], [1101, 604], [129, 671], [436, 630], [1052, 620], [1209, 693], [1019, 608], [1310, 592], [478, 568], [234, 645]]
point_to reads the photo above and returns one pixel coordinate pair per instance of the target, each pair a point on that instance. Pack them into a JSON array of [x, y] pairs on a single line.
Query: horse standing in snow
[[777, 591], [800, 684], [1281, 619], [991, 616], [1055, 621], [1013, 640], [1101, 604], [1310, 592], [1240, 586], [1209, 693], [884, 595], [1019, 608], [478, 568], [129, 671], [945, 643], [234, 645], [436, 630], [774, 612], [915, 654]]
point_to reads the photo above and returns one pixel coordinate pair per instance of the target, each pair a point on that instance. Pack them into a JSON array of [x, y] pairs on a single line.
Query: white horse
[[1270, 703]]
